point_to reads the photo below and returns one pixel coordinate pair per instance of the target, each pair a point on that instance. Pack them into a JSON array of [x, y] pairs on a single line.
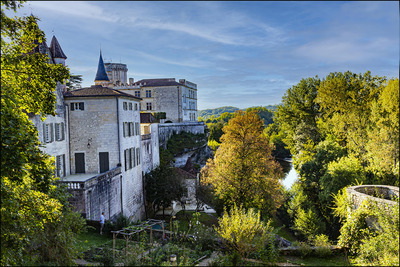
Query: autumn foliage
[[243, 172]]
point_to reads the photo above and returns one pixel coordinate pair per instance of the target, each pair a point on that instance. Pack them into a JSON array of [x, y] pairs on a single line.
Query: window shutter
[[57, 130], [133, 157], [62, 131], [51, 132], [63, 165], [44, 133], [72, 106], [123, 126], [81, 106], [126, 166]]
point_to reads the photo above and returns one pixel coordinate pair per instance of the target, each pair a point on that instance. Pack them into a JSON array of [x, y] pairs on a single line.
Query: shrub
[[377, 245], [304, 249], [322, 246], [243, 231]]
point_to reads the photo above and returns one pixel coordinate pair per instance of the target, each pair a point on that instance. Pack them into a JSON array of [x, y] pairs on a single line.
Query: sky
[[240, 54]]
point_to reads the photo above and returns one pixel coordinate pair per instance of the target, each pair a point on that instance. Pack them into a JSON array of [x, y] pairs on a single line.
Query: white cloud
[[74, 8]]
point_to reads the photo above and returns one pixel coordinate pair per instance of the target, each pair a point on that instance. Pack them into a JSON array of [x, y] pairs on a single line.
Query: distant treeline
[[207, 113]]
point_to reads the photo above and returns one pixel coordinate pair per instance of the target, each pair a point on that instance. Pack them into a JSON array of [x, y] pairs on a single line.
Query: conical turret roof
[[56, 50], [101, 74]]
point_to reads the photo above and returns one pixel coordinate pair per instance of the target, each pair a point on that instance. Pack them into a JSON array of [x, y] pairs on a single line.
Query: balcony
[[83, 181]]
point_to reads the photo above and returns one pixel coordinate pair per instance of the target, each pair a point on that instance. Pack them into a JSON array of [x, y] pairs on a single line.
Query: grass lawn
[[91, 239], [335, 260]]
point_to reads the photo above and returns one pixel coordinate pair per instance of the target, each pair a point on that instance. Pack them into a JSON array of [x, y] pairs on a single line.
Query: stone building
[[105, 150], [177, 99], [150, 142], [53, 131]]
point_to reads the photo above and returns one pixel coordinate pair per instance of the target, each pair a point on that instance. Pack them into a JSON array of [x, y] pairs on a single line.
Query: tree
[[297, 115], [243, 172], [163, 185], [383, 146], [346, 99], [74, 82], [31, 203]]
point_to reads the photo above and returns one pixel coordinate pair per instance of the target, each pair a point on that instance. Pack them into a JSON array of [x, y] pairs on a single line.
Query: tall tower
[[55, 49], [101, 75]]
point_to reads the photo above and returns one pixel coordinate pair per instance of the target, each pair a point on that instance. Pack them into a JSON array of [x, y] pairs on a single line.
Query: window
[[125, 159], [60, 166], [77, 106], [137, 93], [136, 106], [130, 106], [131, 129], [132, 158], [79, 162], [148, 106], [137, 156], [148, 93], [104, 162], [125, 105], [59, 129], [48, 132], [137, 128]]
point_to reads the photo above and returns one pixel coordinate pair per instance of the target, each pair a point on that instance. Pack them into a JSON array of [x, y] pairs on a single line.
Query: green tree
[[74, 82], [297, 115], [31, 203], [383, 146], [346, 99], [243, 172], [163, 185]]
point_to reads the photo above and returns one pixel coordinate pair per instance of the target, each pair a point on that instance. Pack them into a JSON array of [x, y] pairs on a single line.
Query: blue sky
[[239, 54]]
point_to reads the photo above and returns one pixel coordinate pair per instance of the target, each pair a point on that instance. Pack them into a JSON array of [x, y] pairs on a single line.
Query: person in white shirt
[[102, 220]]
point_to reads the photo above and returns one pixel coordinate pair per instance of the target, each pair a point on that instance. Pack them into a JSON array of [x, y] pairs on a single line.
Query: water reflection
[[289, 174]]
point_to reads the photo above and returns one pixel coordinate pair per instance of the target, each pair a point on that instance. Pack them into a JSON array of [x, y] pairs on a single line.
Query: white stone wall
[[55, 148], [99, 128], [132, 184], [179, 102], [150, 148], [94, 130]]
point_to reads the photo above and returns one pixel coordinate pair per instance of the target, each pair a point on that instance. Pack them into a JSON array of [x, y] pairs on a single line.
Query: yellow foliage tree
[[243, 172]]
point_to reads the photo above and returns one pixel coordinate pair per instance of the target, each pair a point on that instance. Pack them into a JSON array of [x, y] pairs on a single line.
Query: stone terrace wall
[[97, 194], [166, 130], [381, 194]]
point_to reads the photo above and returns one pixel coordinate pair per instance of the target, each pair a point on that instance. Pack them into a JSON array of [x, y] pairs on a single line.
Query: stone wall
[[382, 195], [102, 193], [166, 130]]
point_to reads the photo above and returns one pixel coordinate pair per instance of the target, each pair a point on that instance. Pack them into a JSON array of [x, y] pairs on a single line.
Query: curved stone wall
[[383, 195]]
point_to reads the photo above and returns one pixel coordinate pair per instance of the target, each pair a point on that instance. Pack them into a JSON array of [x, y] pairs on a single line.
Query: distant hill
[[207, 113]]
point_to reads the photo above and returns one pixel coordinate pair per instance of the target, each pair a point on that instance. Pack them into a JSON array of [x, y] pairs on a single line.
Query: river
[[290, 174]]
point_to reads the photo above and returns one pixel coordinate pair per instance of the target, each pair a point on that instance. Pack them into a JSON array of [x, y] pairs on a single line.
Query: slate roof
[[97, 90], [157, 82], [101, 74], [56, 50]]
